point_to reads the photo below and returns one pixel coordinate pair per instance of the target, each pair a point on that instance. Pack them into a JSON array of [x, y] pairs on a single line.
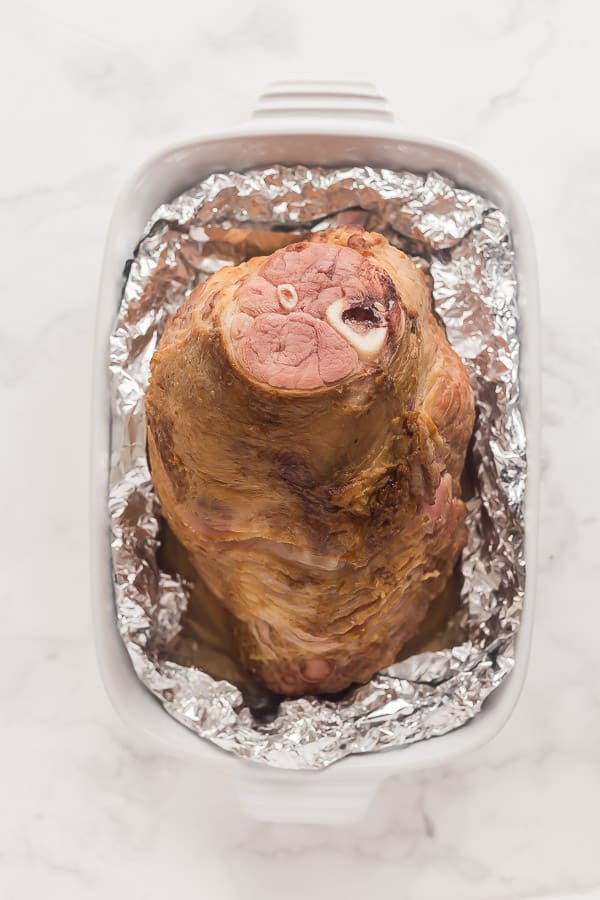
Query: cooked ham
[[310, 315], [307, 429]]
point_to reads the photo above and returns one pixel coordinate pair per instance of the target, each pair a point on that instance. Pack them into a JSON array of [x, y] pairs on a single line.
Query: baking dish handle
[[329, 797], [310, 99]]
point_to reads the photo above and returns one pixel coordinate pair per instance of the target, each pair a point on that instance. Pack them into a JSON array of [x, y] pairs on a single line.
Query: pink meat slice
[[297, 349]]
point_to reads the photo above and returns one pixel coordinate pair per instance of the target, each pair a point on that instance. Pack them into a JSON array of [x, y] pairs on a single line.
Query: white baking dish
[[318, 123]]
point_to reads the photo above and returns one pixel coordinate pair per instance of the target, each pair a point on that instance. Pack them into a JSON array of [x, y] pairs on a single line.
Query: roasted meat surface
[[307, 428]]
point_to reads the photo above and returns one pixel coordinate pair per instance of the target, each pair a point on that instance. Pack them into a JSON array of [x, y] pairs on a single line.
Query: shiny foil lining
[[464, 242]]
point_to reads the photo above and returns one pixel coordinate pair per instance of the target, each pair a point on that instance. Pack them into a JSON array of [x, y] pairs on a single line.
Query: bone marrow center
[[367, 340], [287, 295]]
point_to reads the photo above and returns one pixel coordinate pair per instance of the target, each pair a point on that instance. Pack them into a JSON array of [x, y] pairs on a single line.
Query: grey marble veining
[[87, 809]]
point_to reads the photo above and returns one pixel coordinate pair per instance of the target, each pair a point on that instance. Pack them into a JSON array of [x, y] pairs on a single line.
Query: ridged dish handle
[[304, 98], [329, 797]]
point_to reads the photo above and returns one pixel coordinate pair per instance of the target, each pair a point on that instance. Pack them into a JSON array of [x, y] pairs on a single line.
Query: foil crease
[[464, 242]]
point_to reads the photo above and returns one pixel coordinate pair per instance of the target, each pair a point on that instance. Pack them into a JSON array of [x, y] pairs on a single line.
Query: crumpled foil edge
[[464, 241]]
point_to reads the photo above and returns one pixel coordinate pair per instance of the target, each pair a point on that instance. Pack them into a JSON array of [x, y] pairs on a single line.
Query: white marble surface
[[87, 810]]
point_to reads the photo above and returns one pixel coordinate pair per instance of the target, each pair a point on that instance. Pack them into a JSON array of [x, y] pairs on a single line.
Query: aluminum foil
[[465, 244]]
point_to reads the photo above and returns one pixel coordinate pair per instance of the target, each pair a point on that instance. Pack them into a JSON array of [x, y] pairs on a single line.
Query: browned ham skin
[[307, 428]]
